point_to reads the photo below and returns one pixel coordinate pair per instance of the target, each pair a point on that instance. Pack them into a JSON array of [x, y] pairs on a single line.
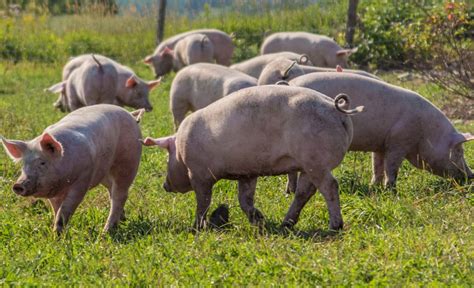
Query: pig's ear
[[346, 52], [148, 59], [57, 88], [153, 84], [166, 51], [50, 145], [339, 68], [460, 138], [15, 148], [163, 142], [131, 82]]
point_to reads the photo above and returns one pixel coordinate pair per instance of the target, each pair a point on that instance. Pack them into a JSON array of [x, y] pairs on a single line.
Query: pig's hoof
[[199, 225], [287, 225], [256, 218], [336, 226]]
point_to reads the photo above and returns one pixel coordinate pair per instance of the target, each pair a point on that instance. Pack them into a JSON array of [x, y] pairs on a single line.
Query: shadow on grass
[[134, 229], [315, 235]]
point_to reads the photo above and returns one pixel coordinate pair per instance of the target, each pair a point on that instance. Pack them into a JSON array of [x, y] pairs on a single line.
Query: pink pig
[[93, 145]]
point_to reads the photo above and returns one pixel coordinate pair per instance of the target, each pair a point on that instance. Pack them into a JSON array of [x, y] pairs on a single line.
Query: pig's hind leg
[[246, 189], [291, 182], [304, 191], [118, 191]]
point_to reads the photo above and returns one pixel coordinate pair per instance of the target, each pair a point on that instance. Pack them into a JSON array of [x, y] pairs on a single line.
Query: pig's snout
[[19, 189], [148, 108]]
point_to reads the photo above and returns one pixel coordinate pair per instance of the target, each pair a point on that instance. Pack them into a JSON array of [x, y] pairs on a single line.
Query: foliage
[[441, 45]]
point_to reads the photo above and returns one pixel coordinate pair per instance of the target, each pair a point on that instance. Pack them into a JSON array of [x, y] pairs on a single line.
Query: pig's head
[[448, 160], [41, 159], [342, 56], [161, 63], [137, 92], [59, 88], [279, 69], [177, 178]]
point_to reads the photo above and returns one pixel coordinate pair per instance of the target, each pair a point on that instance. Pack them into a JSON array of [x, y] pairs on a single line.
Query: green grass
[[421, 235]]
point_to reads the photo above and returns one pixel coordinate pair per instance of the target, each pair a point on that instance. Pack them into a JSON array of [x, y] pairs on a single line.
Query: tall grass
[[131, 36]]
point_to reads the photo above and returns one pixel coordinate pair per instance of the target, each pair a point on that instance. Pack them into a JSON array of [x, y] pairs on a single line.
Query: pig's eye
[[42, 163]]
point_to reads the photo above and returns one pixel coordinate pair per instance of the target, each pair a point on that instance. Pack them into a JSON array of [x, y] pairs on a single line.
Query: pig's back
[[97, 127], [213, 34], [210, 82], [385, 105], [254, 66], [254, 130]]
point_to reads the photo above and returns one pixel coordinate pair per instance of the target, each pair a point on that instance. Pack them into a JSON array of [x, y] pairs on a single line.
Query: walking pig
[[261, 131], [93, 145]]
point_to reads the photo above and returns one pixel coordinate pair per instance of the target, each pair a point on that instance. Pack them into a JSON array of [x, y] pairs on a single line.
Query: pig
[[130, 90], [321, 50], [161, 61], [93, 145], [254, 66], [261, 131], [284, 69], [398, 124], [201, 84], [192, 49]]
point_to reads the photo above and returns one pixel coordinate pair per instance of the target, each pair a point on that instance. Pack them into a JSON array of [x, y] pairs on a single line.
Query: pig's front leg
[[304, 191], [56, 203], [72, 199], [246, 199], [377, 168], [203, 199], [292, 182]]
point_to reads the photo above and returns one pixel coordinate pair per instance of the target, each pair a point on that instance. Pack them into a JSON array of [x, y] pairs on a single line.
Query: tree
[[351, 21], [161, 21]]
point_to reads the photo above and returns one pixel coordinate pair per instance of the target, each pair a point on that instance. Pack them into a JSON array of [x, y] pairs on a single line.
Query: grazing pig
[[321, 50], [201, 84], [90, 146], [284, 69], [398, 124], [254, 66], [261, 131], [130, 90], [192, 49], [161, 61]]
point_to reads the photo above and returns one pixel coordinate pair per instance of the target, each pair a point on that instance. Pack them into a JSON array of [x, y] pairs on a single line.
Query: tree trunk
[[161, 21], [351, 21]]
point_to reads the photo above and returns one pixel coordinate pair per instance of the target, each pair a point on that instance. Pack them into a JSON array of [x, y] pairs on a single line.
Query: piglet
[[93, 145]]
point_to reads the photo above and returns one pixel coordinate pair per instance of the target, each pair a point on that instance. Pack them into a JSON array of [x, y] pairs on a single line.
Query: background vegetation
[[422, 235]]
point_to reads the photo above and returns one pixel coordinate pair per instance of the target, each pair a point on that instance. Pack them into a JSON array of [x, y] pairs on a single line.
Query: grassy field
[[422, 235]]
